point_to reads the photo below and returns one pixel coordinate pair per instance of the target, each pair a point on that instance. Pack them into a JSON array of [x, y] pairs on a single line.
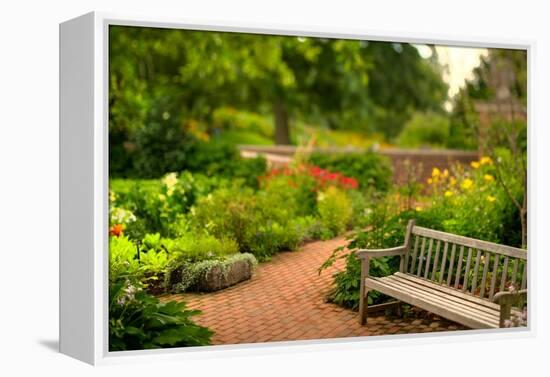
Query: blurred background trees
[[172, 88], [180, 93]]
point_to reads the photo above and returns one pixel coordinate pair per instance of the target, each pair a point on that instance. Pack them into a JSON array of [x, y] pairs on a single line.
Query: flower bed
[[466, 201]]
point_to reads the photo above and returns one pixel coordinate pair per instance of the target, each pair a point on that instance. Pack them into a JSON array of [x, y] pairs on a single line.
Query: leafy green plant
[[386, 227], [227, 212], [138, 320], [372, 170], [122, 258], [335, 210], [425, 130], [197, 247], [471, 203]]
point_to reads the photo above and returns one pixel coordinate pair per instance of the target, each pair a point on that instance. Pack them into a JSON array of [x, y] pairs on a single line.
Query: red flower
[[116, 230]]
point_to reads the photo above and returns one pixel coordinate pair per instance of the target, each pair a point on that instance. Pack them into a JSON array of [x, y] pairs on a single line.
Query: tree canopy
[[179, 78]]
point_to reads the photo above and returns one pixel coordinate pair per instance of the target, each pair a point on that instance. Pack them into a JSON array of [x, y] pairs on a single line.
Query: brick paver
[[285, 300]]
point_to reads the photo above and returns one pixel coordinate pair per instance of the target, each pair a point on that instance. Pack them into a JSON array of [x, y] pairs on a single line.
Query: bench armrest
[[507, 300], [376, 253]]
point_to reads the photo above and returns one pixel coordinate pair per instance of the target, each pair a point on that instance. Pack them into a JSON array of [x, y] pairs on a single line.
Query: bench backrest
[[478, 267]]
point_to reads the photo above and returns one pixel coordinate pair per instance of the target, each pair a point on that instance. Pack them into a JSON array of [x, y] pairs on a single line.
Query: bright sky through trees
[[459, 63]]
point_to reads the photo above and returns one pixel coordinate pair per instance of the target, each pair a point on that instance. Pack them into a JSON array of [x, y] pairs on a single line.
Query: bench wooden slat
[[486, 260], [524, 276], [450, 291], [471, 242], [443, 263], [421, 258], [494, 276], [458, 267], [436, 259], [515, 271], [504, 274], [414, 255], [476, 271], [436, 306], [467, 272], [428, 259], [451, 265], [449, 302], [431, 288]]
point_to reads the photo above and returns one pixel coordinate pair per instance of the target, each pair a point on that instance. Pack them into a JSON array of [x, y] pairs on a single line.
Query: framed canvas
[[249, 189]]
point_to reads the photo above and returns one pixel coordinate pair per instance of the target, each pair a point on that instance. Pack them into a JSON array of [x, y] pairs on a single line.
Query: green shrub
[[217, 158], [196, 247], [226, 118], [386, 229], [335, 210], [122, 259], [371, 170], [472, 203], [226, 213], [160, 146], [425, 130], [138, 320]]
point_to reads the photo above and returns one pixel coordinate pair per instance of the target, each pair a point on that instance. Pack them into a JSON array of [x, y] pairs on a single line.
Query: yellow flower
[[112, 196], [170, 180], [486, 161], [452, 181], [418, 208], [445, 173], [491, 198], [448, 193], [430, 181], [162, 197], [475, 164], [467, 184], [488, 177], [436, 172]]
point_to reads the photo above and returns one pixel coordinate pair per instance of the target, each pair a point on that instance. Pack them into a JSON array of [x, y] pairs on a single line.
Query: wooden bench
[[459, 278]]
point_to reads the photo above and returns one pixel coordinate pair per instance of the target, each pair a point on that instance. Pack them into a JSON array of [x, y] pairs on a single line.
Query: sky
[[459, 63]]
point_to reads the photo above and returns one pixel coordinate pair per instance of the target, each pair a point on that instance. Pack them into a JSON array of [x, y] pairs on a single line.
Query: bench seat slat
[[460, 315], [443, 302], [436, 304], [450, 299], [451, 291]]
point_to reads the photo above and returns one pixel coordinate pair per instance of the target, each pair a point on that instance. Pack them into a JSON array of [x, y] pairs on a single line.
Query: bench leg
[[398, 310], [363, 307]]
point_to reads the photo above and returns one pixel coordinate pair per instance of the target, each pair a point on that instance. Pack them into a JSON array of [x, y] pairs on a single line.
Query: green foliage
[[172, 89], [122, 258], [229, 119], [386, 229], [501, 71], [227, 212], [335, 210], [371, 170], [425, 130], [196, 247], [476, 205], [138, 320], [216, 158]]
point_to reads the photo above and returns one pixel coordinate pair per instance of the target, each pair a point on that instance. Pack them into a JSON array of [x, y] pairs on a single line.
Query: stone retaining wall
[[422, 159]]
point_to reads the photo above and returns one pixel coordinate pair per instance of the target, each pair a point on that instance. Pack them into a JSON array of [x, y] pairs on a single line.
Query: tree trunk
[[282, 130]]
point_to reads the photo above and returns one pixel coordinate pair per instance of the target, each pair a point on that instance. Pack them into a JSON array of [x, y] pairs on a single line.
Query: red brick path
[[284, 300]]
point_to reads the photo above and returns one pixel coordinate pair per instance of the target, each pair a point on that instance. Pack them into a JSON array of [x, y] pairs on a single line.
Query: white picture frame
[[84, 188]]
